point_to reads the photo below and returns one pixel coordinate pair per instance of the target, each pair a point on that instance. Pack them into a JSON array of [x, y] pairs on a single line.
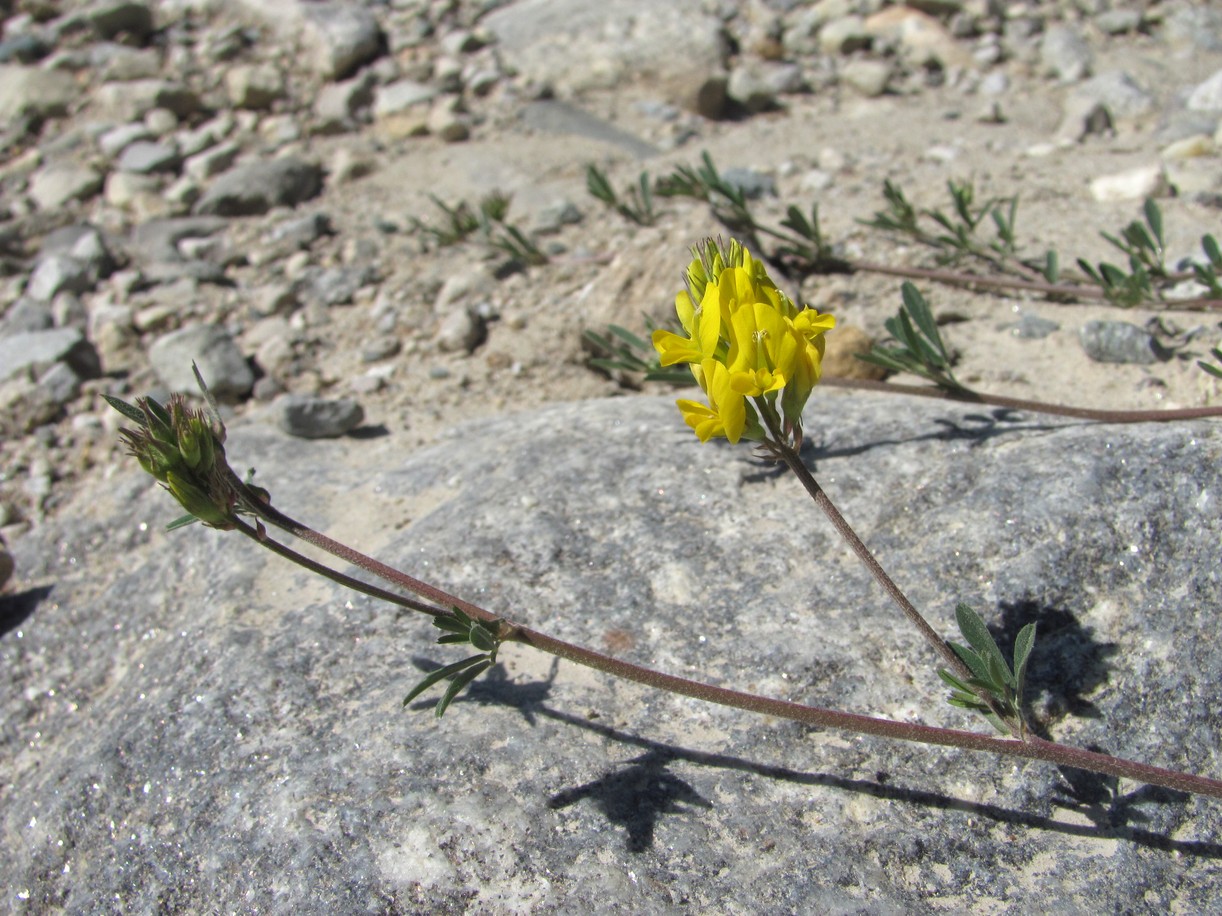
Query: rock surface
[[258, 169], [183, 710]]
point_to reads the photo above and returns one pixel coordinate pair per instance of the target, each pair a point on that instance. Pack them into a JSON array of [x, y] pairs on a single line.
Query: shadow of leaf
[[17, 609], [636, 797]]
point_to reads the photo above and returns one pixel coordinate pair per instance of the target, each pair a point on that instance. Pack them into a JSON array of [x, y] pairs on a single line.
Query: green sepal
[[197, 502], [160, 423], [133, 413], [190, 446]]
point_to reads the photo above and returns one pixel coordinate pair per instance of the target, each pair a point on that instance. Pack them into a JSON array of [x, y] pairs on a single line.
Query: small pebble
[[1118, 342], [318, 418]]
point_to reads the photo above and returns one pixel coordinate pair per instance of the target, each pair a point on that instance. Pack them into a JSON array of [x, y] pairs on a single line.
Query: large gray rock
[[576, 45], [39, 350], [220, 361], [183, 710], [59, 183], [31, 92], [255, 188], [131, 100], [1117, 91], [336, 38]]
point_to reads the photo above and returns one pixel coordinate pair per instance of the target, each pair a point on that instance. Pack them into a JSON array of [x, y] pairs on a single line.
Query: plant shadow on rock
[[974, 429], [17, 609], [1067, 666], [637, 796]]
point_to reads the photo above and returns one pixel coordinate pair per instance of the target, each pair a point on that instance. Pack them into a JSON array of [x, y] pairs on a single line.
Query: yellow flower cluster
[[750, 347]]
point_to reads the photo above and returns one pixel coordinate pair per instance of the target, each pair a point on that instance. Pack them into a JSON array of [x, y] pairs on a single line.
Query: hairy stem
[[967, 396], [1033, 748], [1068, 291]]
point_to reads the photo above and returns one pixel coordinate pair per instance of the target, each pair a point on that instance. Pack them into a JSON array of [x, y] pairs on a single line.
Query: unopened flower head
[[183, 448], [749, 346]]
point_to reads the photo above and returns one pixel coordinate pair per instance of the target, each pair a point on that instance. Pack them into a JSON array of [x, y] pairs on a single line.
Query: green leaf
[[923, 316], [1210, 246], [1154, 218], [628, 337], [972, 626], [967, 701], [1112, 275], [1215, 371], [598, 185], [441, 674], [483, 638], [454, 622], [954, 683], [913, 341], [881, 357], [1023, 645], [942, 220], [997, 723], [181, 522], [975, 663], [999, 674], [1052, 267], [457, 684]]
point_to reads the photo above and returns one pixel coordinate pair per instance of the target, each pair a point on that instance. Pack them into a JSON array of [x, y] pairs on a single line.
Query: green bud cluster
[[183, 449]]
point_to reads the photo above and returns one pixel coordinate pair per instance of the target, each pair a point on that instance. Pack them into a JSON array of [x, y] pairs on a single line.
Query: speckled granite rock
[[191, 724]]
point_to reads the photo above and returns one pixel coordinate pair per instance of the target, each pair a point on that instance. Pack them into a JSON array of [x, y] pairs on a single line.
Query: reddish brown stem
[[1068, 291], [968, 396], [1032, 748]]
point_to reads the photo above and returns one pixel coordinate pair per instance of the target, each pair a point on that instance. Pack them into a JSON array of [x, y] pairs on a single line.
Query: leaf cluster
[[704, 182], [957, 234], [621, 350], [460, 629], [956, 237], [637, 204], [1207, 274], [1145, 249], [916, 343], [995, 689], [1215, 371], [488, 221]]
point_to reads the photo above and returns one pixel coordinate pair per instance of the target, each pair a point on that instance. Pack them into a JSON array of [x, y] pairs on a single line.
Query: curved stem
[[1032, 748], [777, 445], [967, 396], [845, 530], [1070, 291], [334, 575]]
